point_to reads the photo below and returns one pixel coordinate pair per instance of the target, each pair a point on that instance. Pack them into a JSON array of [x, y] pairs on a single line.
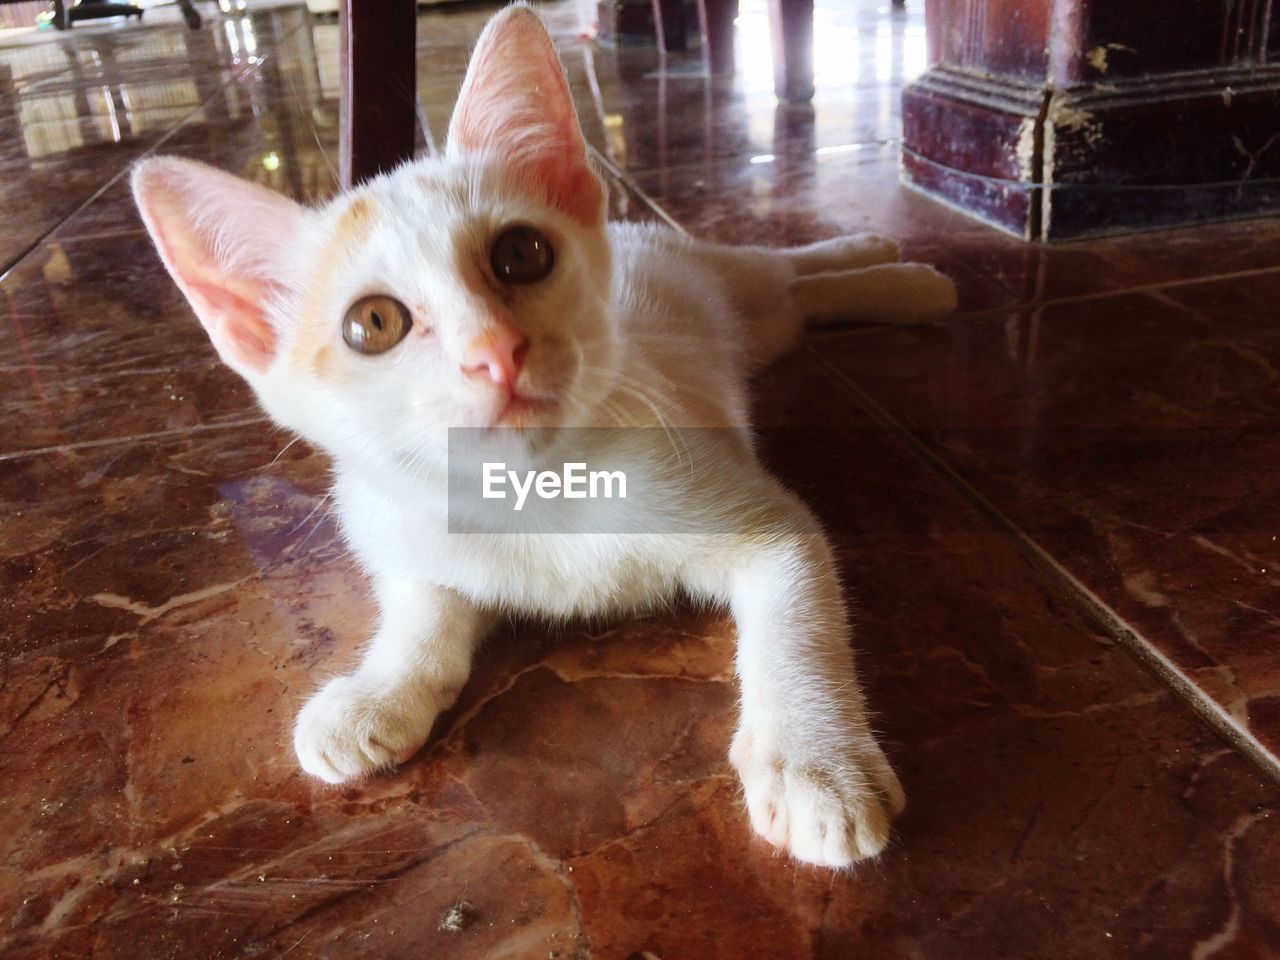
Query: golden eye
[[375, 324], [521, 255]]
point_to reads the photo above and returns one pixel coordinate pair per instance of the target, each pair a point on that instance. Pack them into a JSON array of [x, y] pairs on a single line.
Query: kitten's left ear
[[515, 105], [225, 242]]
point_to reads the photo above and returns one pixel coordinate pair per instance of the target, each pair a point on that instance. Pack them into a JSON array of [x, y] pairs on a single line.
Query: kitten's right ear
[[223, 240], [515, 104]]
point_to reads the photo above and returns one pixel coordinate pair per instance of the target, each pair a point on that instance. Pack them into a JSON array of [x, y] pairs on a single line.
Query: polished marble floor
[[1058, 513]]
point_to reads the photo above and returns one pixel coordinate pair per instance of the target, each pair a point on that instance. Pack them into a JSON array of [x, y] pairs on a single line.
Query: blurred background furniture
[[65, 14], [791, 26]]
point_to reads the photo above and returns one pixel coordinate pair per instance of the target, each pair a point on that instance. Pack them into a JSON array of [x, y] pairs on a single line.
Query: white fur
[[636, 326], [816, 782]]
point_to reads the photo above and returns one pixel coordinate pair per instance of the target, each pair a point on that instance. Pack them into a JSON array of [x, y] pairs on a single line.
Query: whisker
[[324, 155], [282, 451]]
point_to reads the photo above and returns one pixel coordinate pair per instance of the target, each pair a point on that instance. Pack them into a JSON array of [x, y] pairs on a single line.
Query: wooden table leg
[[791, 25], [715, 18], [377, 100], [190, 13]]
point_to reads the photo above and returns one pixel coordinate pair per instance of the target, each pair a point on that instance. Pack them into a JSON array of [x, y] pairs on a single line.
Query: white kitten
[[483, 289]]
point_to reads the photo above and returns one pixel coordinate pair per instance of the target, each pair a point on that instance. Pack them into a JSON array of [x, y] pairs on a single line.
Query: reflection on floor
[[1058, 513]]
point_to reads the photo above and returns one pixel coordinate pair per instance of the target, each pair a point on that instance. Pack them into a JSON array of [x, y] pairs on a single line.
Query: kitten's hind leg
[[886, 293], [842, 253], [853, 278]]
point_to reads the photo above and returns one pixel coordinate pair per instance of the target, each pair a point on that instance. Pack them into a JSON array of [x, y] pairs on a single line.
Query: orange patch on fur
[[312, 346], [322, 361], [355, 220]]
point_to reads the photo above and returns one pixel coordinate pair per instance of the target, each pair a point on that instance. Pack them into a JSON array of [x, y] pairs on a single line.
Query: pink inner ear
[[516, 104], [245, 336], [229, 307], [221, 239]]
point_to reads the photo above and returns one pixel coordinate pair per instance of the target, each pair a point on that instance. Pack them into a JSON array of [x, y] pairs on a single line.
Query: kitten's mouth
[[523, 410]]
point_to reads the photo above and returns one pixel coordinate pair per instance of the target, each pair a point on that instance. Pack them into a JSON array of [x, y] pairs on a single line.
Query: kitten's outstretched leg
[[413, 668], [745, 268], [852, 252], [886, 293], [847, 279], [816, 781]]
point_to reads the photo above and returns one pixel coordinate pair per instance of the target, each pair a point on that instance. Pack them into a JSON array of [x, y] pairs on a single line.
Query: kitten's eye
[[521, 255], [375, 324]]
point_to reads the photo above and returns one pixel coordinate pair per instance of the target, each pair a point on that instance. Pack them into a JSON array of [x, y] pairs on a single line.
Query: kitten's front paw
[[354, 727], [826, 811]]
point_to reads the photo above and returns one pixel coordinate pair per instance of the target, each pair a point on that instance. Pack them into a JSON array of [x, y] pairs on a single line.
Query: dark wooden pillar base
[[972, 142], [1052, 135]]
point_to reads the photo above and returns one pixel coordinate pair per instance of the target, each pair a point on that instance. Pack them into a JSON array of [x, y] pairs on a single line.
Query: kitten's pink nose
[[498, 355]]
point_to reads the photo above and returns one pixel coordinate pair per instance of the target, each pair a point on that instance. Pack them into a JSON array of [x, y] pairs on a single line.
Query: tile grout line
[[1078, 593], [35, 244], [8, 268], [841, 149], [1143, 290], [104, 235], [627, 181]]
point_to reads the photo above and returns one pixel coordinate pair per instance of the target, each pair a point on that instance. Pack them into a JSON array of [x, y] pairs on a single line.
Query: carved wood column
[[1064, 118]]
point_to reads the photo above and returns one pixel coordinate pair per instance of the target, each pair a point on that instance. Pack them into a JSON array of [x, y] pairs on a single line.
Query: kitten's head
[[468, 290]]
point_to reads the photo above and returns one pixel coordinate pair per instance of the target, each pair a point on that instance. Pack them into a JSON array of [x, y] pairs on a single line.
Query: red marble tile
[[1029, 273], [176, 603], [31, 213], [1135, 439], [76, 111], [280, 149], [101, 345], [174, 591]]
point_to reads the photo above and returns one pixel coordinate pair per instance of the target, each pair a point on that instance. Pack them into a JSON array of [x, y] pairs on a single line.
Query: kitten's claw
[[829, 812], [354, 727]]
